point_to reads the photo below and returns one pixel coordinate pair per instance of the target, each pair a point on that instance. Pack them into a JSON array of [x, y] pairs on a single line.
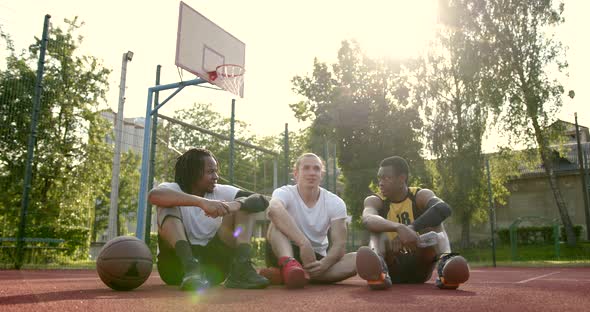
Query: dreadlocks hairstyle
[[190, 167], [399, 165]]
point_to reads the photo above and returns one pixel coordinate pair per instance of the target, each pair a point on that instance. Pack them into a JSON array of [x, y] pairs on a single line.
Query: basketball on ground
[[124, 263]]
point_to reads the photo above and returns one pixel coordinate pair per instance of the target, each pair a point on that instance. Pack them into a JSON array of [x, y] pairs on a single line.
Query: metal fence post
[[31, 145]]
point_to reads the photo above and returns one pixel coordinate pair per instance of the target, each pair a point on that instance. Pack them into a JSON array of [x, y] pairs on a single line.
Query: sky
[[282, 38]]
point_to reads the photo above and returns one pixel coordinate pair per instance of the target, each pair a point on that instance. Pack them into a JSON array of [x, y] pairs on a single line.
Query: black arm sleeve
[[242, 193], [436, 212], [251, 202]]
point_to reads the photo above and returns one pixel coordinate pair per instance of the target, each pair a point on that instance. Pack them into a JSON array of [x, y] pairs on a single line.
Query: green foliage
[[577, 232], [71, 157], [363, 105], [258, 251], [253, 170], [531, 235], [539, 255], [530, 58], [455, 88], [128, 189]]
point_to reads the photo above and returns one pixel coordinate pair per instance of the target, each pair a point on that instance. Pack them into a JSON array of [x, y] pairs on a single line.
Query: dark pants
[[215, 261], [411, 268]]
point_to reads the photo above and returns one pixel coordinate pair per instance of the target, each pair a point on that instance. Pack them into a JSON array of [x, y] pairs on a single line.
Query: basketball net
[[230, 77]]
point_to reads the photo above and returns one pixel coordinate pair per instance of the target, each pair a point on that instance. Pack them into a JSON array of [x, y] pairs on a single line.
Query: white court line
[[568, 280], [535, 278]]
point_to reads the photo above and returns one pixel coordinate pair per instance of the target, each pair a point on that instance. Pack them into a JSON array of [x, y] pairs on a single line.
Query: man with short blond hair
[[301, 216]]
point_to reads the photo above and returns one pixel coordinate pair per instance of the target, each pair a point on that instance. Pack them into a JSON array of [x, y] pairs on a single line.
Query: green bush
[[259, 250], [577, 231], [532, 235], [504, 236]]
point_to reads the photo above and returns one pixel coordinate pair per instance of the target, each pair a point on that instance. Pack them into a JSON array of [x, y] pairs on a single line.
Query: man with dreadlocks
[[395, 218], [204, 228]]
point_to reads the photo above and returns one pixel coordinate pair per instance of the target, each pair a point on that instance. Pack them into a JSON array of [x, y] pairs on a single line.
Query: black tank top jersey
[[404, 212]]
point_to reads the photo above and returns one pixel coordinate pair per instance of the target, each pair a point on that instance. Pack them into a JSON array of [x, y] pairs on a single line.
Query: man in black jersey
[[396, 217]]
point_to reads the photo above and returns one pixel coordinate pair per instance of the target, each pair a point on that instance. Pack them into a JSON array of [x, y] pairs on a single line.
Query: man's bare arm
[[338, 236], [377, 224], [372, 220], [167, 198], [278, 215]]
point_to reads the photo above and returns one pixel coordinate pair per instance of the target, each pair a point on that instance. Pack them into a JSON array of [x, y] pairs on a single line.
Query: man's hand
[[306, 253], [408, 238], [316, 268], [233, 206], [395, 245], [214, 208]]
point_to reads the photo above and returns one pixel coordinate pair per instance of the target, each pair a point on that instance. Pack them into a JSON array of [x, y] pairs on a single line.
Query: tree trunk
[[548, 164]]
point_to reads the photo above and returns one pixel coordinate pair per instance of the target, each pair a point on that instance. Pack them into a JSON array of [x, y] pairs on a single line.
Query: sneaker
[[193, 279], [192, 282], [243, 275], [452, 270], [272, 274], [294, 276], [371, 267]]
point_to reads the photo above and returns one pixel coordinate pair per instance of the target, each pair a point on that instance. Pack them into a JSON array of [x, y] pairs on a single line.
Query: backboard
[[202, 46]]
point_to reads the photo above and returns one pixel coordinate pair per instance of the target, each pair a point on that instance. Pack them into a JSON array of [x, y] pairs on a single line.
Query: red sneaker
[[294, 276], [272, 274]]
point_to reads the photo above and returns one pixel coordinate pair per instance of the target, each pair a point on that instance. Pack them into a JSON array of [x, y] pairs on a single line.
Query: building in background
[[132, 138], [530, 193]]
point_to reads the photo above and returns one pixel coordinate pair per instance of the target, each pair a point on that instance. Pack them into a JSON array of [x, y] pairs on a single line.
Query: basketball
[[124, 263]]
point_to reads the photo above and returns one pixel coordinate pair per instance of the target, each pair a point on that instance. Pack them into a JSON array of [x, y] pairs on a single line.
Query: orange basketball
[[124, 263]]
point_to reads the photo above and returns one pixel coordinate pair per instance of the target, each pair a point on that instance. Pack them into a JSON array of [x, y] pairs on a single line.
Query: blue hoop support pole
[[142, 200]]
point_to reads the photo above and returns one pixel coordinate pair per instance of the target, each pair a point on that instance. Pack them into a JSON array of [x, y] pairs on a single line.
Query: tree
[[71, 157], [127, 201], [174, 139], [529, 57], [455, 87], [363, 105]]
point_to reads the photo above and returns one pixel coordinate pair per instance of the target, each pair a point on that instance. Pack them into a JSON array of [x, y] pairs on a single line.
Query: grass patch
[[530, 255]]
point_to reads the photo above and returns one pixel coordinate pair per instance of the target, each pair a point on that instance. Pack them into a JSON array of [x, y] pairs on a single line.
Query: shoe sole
[[460, 270], [368, 265], [295, 279], [248, 286], [192, 286], [273, 275]]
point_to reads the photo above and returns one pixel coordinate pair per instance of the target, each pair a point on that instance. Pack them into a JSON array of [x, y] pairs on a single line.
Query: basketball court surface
[[489, 289]]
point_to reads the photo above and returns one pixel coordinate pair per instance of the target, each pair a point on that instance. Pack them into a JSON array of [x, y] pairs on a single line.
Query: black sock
[[185, 254]]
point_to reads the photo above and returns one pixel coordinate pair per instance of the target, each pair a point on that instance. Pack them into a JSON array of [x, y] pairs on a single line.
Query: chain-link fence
[[56, 151]]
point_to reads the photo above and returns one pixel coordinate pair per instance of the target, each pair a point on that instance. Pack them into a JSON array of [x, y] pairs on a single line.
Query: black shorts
[[273, 261], [411, 268], [215, 261]]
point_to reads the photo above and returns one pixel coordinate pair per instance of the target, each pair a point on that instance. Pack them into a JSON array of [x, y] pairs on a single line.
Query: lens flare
[[238, 231]]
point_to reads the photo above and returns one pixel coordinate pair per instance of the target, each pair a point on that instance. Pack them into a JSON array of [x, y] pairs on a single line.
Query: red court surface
[[489, 289]]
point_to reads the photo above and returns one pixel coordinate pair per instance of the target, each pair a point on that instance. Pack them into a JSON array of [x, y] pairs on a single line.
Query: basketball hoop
[[230, 77]]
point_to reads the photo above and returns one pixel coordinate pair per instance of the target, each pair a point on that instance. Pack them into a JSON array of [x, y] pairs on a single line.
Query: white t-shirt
[[313, 222], [200, 229]]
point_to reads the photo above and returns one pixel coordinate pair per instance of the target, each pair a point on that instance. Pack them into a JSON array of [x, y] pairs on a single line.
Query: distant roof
[[568, 123]]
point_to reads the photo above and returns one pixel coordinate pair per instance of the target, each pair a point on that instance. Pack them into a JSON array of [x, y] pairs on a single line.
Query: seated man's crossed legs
[[384, 263], [286, 263], [226, 257]]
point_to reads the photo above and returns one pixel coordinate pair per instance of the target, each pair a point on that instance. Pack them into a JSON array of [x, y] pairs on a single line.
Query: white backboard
[[202, 46]]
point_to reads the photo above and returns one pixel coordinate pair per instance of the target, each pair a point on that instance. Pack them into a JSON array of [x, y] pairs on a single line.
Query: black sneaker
[[194, 282], [193, 279], [371, 267], [243, 275]]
